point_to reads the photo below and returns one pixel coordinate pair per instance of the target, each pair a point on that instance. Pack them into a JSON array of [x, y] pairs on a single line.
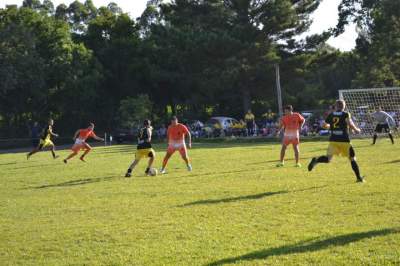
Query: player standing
[[383, 120], [176, 134], [291, 123], [80, 138], [144, 148], [339, 123], [45, 141]]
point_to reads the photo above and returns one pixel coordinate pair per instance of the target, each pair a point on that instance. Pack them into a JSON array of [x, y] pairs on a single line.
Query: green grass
[[236, 207]]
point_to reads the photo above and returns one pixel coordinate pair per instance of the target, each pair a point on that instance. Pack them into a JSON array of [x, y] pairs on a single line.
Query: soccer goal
[[362, 102]]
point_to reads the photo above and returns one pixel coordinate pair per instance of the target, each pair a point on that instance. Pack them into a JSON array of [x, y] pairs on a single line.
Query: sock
[[147, 170], [129, 171], [391, 138], [374, 140], [356, 169], [323, 159], [54, 154]]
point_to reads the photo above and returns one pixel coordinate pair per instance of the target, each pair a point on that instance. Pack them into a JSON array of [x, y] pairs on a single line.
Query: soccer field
[[236, 207]]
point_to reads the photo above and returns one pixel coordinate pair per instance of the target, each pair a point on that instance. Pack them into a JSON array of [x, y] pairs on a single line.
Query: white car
[[225, 122]]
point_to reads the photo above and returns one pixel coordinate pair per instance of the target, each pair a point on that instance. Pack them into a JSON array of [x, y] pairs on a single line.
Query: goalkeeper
[[383, 120]]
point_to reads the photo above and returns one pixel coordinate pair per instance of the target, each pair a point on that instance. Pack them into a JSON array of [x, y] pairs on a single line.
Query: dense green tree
[[378, 44], [38, 62], [78, 63], [134, 110]]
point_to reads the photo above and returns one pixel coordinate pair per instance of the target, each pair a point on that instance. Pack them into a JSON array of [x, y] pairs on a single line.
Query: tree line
[[193, 58]]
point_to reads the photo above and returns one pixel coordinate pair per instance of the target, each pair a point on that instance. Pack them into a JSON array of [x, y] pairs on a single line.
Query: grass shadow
[[219, 173], [247, 197], [117, 150], [306, 246], [77, 182], [234, 199], [395, 161], [32, 166], [277, 161], [1, 164]]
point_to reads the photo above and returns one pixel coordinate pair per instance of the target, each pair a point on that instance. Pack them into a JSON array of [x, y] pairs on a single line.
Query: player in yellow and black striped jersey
[[339, 123], [45, 141], [144, 148]]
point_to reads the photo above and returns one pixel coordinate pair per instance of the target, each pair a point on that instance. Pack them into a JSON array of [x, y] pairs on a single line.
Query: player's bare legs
[[185, 157], [72, 155], [165, 161], [296, 148], [35, 150], [282, 157], [87, 148], [53, 152], [136, 162], [131, 167]]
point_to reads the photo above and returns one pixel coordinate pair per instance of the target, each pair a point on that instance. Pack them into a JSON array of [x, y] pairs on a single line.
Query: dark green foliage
[[77, 63]]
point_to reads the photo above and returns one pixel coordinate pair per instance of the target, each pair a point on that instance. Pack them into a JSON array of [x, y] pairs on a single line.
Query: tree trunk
[[246, 100]]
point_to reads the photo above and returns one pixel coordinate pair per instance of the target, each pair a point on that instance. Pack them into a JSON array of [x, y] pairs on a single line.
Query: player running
[[383, 119], [144, 148], [339, 123], [80, 138], [176, 142], [291, 123], [45, 141]]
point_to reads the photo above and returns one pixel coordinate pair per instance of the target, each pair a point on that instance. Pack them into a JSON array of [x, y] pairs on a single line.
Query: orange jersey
[[292, 124], [177, 133], [85, 134]]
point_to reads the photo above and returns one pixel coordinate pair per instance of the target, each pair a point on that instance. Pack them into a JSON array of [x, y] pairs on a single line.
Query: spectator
[[217, 130], [250, 122], [269, 118], [208, 131], [162, 132], [315, 127], [304, 130]]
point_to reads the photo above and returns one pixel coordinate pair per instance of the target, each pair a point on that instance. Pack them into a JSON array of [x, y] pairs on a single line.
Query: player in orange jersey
[[291, 123], [176, 142], [80, 138]]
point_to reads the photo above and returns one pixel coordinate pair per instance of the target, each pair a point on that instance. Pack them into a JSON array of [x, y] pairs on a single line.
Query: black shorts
[[382, 128]]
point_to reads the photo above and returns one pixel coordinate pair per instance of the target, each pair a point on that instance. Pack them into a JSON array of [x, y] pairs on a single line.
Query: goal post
[[362, 102]]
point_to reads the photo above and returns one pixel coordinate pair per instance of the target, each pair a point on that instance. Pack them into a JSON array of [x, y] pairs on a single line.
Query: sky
[[324, 18]]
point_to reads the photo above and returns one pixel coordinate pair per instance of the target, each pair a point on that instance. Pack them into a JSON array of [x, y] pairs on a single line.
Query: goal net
[[362, 102]]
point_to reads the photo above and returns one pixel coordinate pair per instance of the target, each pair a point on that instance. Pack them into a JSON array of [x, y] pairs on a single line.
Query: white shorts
[[176, 145], [79, 141]]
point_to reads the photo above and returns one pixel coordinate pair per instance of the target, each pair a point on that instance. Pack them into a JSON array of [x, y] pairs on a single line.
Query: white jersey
[[382, 117]]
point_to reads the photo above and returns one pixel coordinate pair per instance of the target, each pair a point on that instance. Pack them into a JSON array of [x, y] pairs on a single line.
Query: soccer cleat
[[312, 164], [298, 165], [128, 175], [361, 180], [189, 168], [65, 161], [82, 159], [55, 157], [162, 171], [280, 164]]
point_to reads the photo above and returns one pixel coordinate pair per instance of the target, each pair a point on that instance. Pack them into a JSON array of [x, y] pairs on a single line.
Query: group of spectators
[[266, 126]]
